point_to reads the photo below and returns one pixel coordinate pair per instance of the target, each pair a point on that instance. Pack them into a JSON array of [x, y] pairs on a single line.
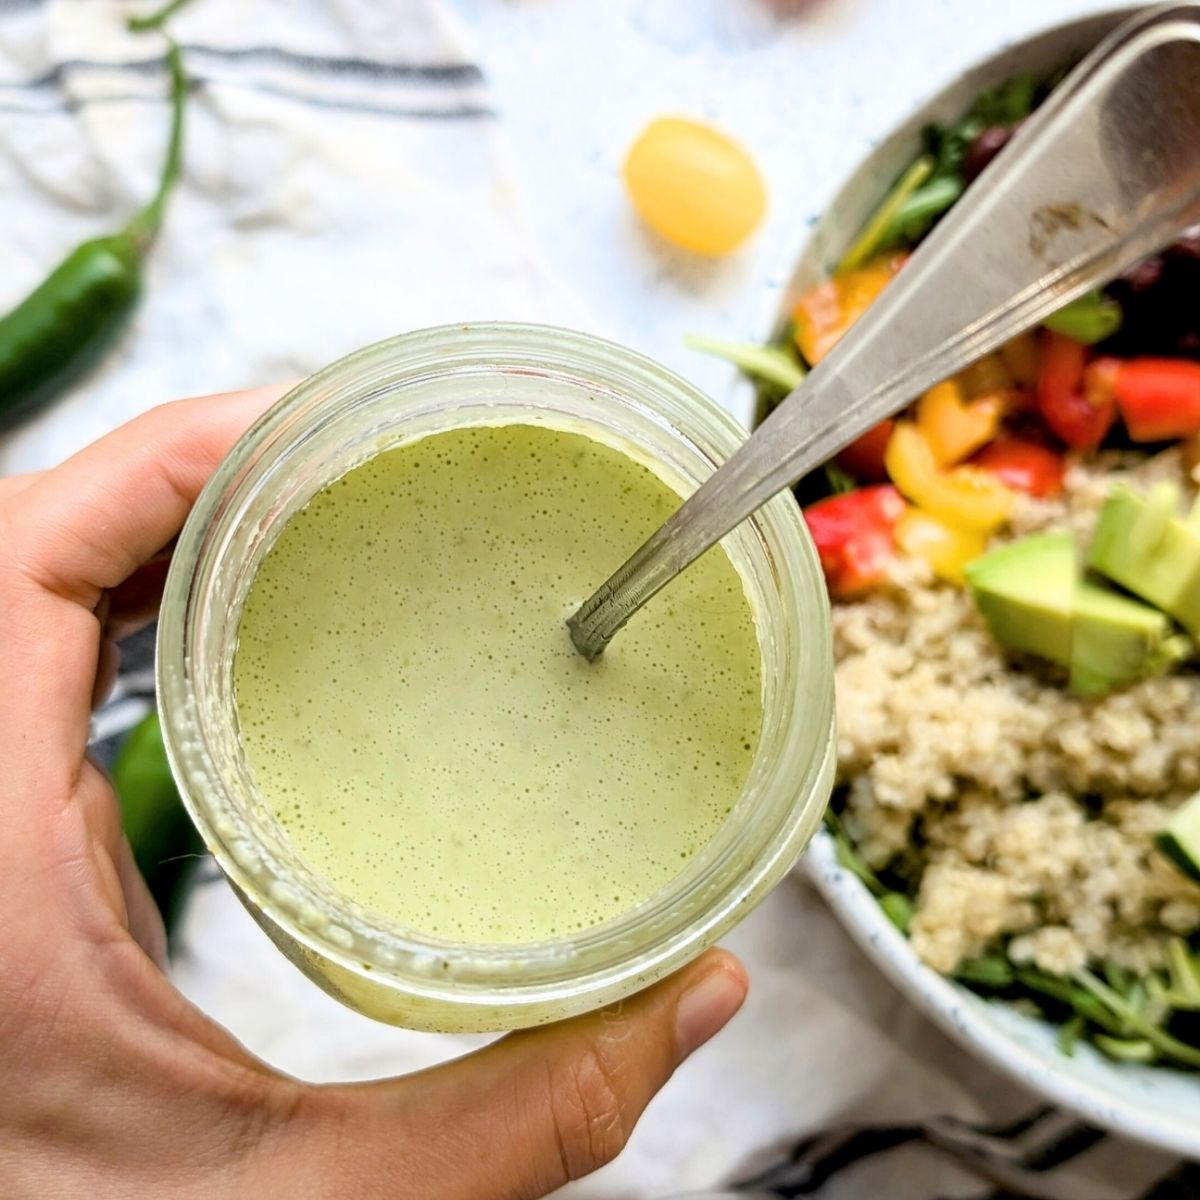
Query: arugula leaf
[[1008, 102], [770, 363], [878, 229]]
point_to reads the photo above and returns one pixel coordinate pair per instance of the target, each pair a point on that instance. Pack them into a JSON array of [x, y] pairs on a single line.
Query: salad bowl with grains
[[1014, 572]]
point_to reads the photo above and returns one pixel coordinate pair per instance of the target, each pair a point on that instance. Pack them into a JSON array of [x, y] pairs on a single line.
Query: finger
[[142, 916], [75, 531], [88, 524], [533, 1111], [10, 485], [134, 603], [116, 881]]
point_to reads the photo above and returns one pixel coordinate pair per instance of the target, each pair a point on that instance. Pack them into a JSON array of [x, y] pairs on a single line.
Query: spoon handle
[[1105, 172]]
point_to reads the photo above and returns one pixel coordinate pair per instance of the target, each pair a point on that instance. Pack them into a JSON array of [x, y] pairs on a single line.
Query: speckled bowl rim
[[1016, 1045]]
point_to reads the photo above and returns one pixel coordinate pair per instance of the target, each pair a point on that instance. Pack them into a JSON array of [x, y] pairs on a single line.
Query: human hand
[[113, 1085]]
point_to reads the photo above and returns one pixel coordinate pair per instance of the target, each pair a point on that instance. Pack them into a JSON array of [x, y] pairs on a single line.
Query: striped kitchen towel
[[1043, 1155], [344, 181]]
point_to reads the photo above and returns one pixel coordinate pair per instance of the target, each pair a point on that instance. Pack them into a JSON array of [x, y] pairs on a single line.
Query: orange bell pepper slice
[[825, 312], [946, 547], [986, 376], [953, 428], [1020, 357], [963, 496]]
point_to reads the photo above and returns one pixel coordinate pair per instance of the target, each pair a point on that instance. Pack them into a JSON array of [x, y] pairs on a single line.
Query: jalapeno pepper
[[65, 323]]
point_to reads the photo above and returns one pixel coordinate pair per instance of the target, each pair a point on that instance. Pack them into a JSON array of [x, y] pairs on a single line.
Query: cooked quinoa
[[1017, 813]]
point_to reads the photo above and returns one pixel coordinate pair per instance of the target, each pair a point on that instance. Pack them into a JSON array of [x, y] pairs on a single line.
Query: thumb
[[530, 1112]]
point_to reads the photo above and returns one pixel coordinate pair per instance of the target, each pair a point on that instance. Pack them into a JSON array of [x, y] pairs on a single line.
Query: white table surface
[[807, 85]]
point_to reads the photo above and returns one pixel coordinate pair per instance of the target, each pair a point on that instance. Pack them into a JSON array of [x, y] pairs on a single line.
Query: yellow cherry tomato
[[945, 547], [694, 186], [963, 496]]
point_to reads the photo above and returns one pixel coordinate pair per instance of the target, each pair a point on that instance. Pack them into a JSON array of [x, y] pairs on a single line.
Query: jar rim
[[606, 954]]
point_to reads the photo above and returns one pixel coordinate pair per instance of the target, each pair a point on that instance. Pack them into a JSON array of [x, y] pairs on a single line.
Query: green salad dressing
[[415, 715]]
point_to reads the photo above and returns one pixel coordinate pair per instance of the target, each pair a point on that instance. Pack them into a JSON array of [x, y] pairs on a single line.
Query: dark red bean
[[1187, 244], [987, 144], [1145, 274]]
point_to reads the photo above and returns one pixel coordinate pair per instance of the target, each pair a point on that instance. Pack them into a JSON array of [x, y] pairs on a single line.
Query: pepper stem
[[145, 225], [156, 19]]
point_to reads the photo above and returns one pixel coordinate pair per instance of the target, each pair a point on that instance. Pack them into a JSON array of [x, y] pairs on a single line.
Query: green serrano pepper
[[164, 841], [64, 324]]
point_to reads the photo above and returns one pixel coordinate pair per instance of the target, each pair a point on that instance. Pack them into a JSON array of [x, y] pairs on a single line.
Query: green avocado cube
[[1142, 544], [1116, 640], [1025, 591]]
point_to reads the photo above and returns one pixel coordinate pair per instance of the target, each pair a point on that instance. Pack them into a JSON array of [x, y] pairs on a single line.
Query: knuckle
[[589, 1122]]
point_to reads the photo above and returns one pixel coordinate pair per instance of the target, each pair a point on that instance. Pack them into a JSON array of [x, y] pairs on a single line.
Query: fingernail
[[706, 1008]]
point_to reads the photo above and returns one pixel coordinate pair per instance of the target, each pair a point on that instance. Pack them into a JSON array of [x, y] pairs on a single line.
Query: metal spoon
[[1106, 172]]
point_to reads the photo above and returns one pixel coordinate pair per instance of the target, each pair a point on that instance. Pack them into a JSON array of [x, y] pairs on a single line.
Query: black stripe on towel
[[1021, 1158], [452, 112], [457, 74]]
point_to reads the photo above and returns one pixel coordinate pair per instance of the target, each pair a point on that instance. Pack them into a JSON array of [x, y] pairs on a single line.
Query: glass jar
[[401, 390]]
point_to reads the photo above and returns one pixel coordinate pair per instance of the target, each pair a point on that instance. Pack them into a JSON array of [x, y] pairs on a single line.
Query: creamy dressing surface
[[414, 713]]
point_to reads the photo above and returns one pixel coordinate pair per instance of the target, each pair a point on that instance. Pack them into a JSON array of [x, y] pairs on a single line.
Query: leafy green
[[1008, 102], [849, 858], [771, 363], [989, 971], [898, 909], [915, 217], [879, 228], [1168, 1045], [1069, 1034], [1126, 1049], [840, 481], [1184, 974]]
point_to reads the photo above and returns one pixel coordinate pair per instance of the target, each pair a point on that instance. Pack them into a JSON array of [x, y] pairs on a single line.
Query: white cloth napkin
[[345, 181]]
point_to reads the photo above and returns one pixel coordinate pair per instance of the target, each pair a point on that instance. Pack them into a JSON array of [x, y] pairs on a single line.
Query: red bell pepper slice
[[863, 458], [854, 536], [1077, 417], [1159, 398], [1023, 466]]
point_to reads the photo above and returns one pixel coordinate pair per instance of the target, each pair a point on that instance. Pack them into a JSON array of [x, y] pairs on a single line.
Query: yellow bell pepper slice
[[963, 496], [824, 313], [953, 428], [945, 547]]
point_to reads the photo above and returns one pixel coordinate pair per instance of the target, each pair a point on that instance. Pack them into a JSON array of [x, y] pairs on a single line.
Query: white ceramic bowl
[[1151, 1104]]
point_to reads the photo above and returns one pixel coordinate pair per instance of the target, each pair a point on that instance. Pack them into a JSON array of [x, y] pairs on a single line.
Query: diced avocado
[[1034, 600], [1142, 544], [1116, 640], [1025, 591], [1179, 840]]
